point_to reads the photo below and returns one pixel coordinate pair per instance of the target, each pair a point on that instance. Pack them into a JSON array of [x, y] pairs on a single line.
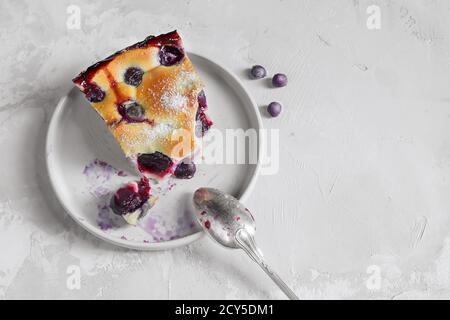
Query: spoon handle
[[247, 243]]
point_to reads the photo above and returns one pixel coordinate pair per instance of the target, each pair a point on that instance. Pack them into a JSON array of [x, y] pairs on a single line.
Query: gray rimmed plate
[[85, 165]]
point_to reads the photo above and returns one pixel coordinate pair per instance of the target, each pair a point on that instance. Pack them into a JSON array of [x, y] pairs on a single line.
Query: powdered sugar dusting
[[161, 130], [175, 96], [187, 80], [173, 100]]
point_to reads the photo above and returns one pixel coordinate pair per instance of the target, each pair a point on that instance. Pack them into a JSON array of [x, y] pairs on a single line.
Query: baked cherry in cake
[[155, 163], [150, 96], [185, 169], [203, 122], [129, 200]]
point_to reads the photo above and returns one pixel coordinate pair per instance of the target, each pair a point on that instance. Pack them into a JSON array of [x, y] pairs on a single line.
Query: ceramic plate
[[86, 165]]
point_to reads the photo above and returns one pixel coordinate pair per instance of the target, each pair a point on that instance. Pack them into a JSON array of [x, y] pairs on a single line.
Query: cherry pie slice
[[152, 100]]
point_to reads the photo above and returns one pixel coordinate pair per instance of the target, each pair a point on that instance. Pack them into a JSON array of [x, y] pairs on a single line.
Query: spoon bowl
[[222, 215]]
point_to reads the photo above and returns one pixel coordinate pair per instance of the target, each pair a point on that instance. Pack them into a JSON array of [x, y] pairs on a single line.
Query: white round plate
[[86, 165]]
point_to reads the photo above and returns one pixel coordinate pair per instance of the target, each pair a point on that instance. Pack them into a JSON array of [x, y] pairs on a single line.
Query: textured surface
[[360, 205]]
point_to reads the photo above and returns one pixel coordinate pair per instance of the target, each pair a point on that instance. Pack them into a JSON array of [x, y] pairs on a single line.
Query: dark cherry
[[202, 101], [170, 55], [94, 93], [274, 109], [279, 80], [258, 72], [132, 111], [185, 169], [203, 123], [129, 198], [156, 162], [133, 76]]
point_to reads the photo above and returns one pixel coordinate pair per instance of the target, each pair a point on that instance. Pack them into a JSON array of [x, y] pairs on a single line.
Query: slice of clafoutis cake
[[152, 100]]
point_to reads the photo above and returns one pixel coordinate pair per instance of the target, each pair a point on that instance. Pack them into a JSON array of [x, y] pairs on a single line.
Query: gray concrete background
[[360, 206]]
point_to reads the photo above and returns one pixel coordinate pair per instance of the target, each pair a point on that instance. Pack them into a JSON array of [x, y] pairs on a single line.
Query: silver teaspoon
[[232, 225]]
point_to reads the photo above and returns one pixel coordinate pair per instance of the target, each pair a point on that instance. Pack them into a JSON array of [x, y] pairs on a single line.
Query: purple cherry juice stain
[[150, 225], [103, 180], [160, 229], [164, 187], [106, 219], [101, 169], [98, 173]]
